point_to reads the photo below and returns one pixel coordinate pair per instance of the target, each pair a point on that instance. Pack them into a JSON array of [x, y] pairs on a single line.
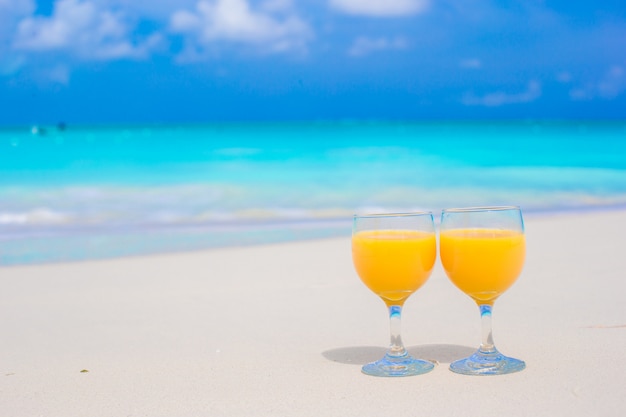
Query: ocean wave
[[38, 216], [154, 209]]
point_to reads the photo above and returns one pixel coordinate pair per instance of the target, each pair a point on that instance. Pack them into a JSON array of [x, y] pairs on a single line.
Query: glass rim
[[480, 208], [380, 215]]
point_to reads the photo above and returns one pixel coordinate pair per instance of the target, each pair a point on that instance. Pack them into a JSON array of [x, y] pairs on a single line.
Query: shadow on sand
[[360, 355]]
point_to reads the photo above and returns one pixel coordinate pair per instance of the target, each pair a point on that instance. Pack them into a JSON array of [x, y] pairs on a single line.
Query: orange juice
[[483, 263], [394, 263]]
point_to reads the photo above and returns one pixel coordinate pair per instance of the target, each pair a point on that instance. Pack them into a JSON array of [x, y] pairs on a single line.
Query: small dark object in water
[[36, 130], [61, 126]]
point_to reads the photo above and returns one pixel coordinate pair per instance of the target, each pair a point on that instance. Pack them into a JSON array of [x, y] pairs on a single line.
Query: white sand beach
[[282, 330]]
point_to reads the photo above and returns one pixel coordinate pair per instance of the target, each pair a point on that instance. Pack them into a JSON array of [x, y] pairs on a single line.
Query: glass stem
[[396, 347], [486, 344]]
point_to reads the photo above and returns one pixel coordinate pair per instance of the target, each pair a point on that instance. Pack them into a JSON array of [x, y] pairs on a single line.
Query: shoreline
[[109, 243]]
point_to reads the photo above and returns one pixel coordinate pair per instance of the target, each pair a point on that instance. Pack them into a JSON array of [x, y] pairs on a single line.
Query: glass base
[[487, 363], [405, 365]]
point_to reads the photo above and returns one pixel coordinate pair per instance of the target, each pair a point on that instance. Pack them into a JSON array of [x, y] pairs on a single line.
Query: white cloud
[[11, 11], [235, 21], [380, 8], [471, 63], [564, 77], [499, 98], [580, 94], [81, 28], [277, 5], [17, 6], [154, 10], [364, 45], [611, 84], [59, 74]]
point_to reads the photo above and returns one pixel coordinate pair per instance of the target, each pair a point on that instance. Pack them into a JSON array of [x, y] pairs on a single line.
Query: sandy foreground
[[282, 330]]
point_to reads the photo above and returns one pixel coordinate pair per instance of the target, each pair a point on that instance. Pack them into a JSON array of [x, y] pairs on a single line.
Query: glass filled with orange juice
[[394, 255], [482, 250]]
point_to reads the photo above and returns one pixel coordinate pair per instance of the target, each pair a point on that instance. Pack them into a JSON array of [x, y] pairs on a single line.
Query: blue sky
[[139, 61]]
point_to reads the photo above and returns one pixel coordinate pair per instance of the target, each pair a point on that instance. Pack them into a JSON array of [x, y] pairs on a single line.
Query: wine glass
[[482, 250], [394, 255]]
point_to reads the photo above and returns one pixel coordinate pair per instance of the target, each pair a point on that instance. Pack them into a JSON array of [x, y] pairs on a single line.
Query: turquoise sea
[[86, 192]]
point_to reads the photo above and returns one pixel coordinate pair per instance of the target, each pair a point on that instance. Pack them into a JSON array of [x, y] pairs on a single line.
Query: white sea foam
[[38, 216]]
